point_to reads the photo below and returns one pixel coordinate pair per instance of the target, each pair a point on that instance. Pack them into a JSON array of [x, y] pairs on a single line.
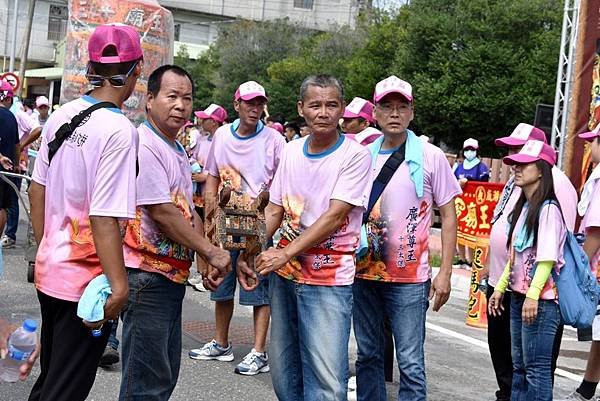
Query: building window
[[176, 32], [57, 22], [306, 4]]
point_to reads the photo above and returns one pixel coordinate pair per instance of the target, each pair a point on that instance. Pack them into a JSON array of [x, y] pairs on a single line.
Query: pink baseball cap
[[531, 152], [521, 134], [123, 37], [591, 135], [214, 112], [278, 127], [249, 90], [6, 89], [360, 108], [41, 101], [392, 84]]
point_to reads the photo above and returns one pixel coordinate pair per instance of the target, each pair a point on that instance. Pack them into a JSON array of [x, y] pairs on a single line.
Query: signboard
[[474, 212], [12, 79], [155, 26]]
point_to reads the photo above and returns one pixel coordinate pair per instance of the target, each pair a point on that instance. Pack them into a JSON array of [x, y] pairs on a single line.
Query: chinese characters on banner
[[474, 212], [154, 24]]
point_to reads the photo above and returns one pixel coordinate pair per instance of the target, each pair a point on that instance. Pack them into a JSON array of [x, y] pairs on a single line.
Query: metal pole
[[13, 47], [25, 51]]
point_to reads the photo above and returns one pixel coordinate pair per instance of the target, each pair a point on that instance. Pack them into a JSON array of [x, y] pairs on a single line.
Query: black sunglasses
[[117, 81]]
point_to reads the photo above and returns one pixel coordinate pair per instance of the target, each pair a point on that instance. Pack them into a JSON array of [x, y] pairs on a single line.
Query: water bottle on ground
[[21, 344]]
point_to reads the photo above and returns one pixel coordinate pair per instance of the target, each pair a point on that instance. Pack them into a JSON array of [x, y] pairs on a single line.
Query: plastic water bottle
[[21, 344]]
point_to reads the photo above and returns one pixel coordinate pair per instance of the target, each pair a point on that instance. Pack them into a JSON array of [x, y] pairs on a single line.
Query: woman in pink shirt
[[534, 313]]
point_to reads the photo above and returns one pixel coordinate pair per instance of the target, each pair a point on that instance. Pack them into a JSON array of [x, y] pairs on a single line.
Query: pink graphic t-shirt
[[304, 185], [498, 256], [592, 219], [245, 164], [92, 174], [551, 240], [398, 226], [164, 177]]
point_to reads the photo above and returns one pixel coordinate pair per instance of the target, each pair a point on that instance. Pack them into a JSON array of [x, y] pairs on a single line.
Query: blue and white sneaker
[[253, 364], [212, 351]]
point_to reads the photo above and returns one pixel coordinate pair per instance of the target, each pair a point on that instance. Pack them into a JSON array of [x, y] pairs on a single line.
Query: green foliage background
[[478, 67]]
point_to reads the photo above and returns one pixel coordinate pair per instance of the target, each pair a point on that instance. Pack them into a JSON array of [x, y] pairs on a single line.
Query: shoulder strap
[[384, 177], [67, 129]]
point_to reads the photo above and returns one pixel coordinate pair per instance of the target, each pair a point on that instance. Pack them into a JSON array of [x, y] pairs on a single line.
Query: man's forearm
[[317, 232], [273, 217], [31, 138], [171, 222], [448, 239], [37, 199], [109, 246]]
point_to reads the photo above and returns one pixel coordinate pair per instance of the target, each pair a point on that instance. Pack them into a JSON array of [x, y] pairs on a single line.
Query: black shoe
[[109, 357]]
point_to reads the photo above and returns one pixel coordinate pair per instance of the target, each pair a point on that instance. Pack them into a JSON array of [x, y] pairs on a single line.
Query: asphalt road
[[457, 360]]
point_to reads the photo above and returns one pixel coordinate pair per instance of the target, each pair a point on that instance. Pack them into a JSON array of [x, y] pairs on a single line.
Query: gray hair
[[322, 81]]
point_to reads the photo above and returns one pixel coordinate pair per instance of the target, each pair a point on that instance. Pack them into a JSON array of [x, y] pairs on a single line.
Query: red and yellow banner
[[474, 212]]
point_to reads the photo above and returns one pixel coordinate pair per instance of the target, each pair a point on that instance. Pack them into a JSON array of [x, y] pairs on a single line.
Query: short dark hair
[[106, 70], [155, 79], [322, 81], [29, 103]]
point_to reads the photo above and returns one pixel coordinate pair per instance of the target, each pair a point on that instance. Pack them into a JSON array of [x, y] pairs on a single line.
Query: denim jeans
[[12, 221], [113, 341], [532, 350], [151, 343], [406, 306], [310, 330], [226, 290]]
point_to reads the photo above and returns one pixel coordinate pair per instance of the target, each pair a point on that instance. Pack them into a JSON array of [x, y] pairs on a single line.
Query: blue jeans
[[113, 341], [226, 290], [151, 341], [406, 306], [532, 350], [12, 221], [310, 330]]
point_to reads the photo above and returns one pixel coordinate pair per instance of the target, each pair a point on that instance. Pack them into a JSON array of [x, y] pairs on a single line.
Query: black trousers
[[500, 346], [70, 354]]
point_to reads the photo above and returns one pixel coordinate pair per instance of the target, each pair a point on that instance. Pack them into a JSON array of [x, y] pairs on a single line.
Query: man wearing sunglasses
[[77, 200]]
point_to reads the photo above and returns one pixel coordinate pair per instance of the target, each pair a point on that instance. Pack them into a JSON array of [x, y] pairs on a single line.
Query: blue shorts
[[226, 291]]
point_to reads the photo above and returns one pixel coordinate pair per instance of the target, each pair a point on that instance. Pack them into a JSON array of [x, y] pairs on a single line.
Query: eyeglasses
[[117, 81]]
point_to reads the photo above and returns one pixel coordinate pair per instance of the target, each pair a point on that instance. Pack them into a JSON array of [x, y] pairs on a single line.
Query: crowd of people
[[350, 210]]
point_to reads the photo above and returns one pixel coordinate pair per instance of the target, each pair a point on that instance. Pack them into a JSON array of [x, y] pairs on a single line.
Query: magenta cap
[[123, 37], [531, 152]]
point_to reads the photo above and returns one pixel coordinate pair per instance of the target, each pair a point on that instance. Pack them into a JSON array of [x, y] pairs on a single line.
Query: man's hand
[[25, 368], [212, 279], [220, 259], [114, 305], [246, 274], [462, 182], [440, 288], [6, 163], [196, 177], [270, 260]]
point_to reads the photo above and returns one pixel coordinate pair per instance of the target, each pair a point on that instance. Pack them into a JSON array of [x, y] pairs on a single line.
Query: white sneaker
[[575, 396], [253, 364], [212, 351]]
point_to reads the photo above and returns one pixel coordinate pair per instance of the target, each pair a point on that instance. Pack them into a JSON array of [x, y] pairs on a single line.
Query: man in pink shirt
[[318, 196], [358, 121], [393, 276], [78, 197], [243, 156], [160, 242]]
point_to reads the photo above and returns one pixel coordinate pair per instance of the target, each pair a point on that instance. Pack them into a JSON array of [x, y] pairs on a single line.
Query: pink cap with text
[[531, 152], [214, 111], [249, 90], [521, 134], [392, 84], [123, 38], [360, 108]]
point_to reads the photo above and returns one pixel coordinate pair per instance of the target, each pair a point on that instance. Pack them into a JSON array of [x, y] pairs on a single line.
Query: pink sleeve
[[443, 183], [592, 216], [153, 186], [551, 234], [353, 186], [211, 163], [113, 194], [40, 168], [279, 151], [27, 123], [276, 188]]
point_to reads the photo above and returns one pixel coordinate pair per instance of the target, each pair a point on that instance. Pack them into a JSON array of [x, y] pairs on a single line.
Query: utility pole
[[25, 48], [13, 46]]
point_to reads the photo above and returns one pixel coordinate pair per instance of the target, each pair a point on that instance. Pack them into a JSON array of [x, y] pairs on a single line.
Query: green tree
[[479, 67]]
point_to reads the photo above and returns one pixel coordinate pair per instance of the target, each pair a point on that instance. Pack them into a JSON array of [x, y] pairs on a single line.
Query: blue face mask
[[470, 154]]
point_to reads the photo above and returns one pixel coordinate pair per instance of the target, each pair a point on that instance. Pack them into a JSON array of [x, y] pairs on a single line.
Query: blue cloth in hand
[[91, 304]]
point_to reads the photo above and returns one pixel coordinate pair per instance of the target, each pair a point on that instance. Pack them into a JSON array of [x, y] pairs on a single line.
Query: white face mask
[[470, 154]]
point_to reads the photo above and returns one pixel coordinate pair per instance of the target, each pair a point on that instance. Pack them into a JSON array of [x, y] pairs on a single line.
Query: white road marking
[[484, 345]]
